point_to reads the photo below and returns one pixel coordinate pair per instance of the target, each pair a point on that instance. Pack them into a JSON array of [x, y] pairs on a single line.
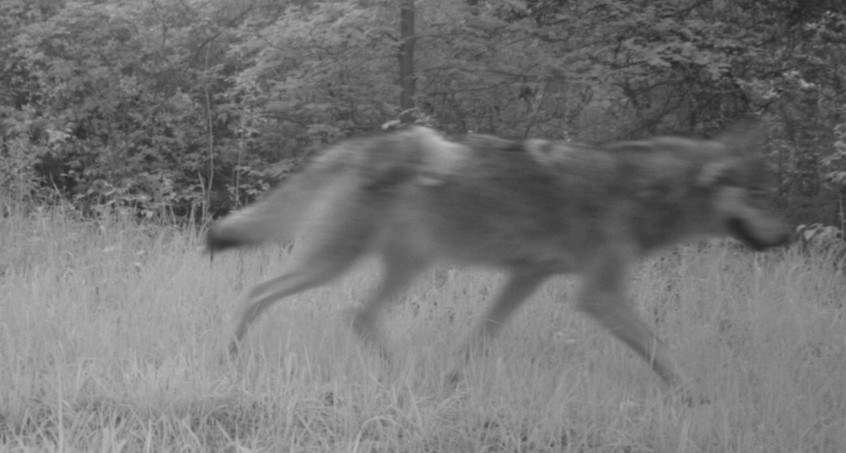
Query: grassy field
[[111, 334]]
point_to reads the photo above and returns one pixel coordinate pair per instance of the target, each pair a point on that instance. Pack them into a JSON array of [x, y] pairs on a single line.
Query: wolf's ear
[[744, 135]]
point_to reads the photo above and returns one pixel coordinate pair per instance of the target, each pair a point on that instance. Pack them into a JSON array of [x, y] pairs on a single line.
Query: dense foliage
[[188, 108]]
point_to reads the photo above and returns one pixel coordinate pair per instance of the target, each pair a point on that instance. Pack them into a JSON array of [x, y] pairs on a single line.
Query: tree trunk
[[407, 80]]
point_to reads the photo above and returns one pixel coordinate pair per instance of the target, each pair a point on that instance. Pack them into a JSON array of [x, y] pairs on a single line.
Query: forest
[[185, 109]]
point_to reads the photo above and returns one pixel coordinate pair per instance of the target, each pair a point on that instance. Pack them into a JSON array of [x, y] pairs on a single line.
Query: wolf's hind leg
[[320, 265], [400, 267]]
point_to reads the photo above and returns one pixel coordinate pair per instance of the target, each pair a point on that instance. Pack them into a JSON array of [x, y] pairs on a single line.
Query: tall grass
[[111, 334]]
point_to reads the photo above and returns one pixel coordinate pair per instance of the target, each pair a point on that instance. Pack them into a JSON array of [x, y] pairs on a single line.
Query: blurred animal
[[531, 209]]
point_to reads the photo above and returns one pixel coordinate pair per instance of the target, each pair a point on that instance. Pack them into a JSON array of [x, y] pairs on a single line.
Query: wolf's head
[[740, 186]]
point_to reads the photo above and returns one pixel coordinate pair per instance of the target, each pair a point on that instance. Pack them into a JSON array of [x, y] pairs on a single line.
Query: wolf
[[532, 209]]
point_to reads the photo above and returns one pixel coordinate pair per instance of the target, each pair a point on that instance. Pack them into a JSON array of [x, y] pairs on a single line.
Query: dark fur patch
[[741, 231]]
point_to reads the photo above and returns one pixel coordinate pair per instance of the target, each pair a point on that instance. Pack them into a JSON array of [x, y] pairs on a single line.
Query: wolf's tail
[[277, 216], [378, 165]]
